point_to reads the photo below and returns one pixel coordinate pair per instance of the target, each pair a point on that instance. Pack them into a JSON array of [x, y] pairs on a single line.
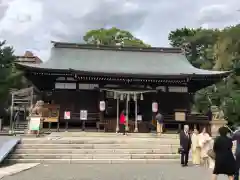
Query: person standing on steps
[[159, 118], [122, 122], [185, 145]]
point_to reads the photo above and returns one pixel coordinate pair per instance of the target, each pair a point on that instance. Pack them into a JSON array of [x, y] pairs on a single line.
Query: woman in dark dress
[[224, 161]]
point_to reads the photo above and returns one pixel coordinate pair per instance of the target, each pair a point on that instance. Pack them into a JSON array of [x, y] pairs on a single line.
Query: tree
[[113, 36], [219, 50], [9, 76]]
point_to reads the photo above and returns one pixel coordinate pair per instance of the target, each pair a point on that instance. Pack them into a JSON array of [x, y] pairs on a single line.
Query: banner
[[34, 124], [83, 114], [67, 114]]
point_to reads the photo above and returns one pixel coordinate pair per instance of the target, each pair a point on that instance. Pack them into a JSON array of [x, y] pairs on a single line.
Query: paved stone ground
[[166, 171]]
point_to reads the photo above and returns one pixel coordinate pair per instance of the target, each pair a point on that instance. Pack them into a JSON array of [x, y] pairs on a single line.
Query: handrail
[[14, 122]]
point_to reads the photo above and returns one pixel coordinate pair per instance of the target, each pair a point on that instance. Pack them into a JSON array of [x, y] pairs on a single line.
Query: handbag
[[180, 150], [211, 154]]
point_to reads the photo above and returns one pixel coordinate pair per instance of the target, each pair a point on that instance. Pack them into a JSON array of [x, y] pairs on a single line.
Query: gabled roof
[[119, 60]]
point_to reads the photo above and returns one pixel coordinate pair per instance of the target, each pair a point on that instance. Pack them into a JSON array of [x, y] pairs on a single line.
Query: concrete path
[[16, 168], [165, 171]]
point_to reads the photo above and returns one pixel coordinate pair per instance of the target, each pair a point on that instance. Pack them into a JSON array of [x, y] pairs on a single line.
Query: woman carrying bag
[[224, 160]]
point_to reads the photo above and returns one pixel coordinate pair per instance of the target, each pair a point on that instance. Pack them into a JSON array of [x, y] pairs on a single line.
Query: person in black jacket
[[236, 137], [185, 145], [224, 159]]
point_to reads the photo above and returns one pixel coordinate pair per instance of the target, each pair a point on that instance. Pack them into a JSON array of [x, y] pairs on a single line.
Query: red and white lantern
[[154, 107], [102, 106]]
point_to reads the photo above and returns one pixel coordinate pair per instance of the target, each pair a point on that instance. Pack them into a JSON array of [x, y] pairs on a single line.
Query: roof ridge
[[116, 48]]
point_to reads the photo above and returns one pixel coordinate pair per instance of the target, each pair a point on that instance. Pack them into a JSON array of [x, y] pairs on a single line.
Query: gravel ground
[[166, 171]]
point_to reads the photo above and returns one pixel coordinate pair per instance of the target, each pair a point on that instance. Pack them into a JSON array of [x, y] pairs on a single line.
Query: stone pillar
[[215, 124]]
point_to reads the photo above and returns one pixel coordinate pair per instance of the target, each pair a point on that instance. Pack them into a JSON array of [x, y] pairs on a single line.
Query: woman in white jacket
[[205, 145]]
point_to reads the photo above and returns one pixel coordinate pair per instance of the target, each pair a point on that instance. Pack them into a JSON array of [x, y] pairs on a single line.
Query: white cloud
[[32, 24]]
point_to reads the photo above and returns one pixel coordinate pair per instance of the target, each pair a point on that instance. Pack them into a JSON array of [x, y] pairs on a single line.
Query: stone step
[[163, 150], [99, 141], [91, 161], [94, 156], [108, 135], [95, 146]]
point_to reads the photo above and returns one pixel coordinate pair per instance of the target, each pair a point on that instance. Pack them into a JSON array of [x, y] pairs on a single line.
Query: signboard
[[154, 107], [83, 114], [139, 117], [180, 116], [67, 114], [102, 105], [34, 124], [51, 113]]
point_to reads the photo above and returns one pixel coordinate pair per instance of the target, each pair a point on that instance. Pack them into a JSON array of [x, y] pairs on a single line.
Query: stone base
[[215, 125]]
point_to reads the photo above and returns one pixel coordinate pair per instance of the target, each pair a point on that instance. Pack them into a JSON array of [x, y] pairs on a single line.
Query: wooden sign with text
[[51, 113]]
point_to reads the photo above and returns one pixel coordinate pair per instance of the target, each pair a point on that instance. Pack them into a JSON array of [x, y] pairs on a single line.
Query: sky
[[33, 24]]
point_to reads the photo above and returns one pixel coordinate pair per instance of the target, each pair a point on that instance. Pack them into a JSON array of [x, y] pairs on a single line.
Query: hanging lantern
[[134, 96], [121, 97], [128, 97], [115, 95], [102, 105], [141, 97], [154, 107]]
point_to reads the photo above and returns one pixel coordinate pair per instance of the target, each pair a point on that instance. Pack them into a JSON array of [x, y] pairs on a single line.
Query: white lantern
[[102, 105], [121, 97], [134, 96], [154, 107], [115, 95]]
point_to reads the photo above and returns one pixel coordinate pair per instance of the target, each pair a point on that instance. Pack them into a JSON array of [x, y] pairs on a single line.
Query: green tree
[[9, 76], [113, 36], [218, 50]]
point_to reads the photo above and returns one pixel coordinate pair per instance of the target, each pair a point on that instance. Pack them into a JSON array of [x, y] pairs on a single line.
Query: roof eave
[[88, 73]]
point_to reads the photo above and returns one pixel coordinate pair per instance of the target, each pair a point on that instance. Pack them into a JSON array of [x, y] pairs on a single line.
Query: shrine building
[[102, 81]]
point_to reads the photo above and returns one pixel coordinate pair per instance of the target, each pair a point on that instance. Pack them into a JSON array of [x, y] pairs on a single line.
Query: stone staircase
[[112, 148], [21, 127]]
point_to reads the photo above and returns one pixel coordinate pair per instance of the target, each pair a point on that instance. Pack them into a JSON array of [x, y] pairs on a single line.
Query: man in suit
[[185, 145]]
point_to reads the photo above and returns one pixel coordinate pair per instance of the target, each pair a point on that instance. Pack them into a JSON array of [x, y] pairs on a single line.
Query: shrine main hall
[[102, 81]]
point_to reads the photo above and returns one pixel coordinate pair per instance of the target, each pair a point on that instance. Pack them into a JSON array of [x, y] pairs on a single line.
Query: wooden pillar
[[136, 114], [127, 101], [101, 113], [117, 125], [158, 127]]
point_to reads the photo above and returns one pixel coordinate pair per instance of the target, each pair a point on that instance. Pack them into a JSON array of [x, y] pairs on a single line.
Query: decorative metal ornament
[[141, 97]]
